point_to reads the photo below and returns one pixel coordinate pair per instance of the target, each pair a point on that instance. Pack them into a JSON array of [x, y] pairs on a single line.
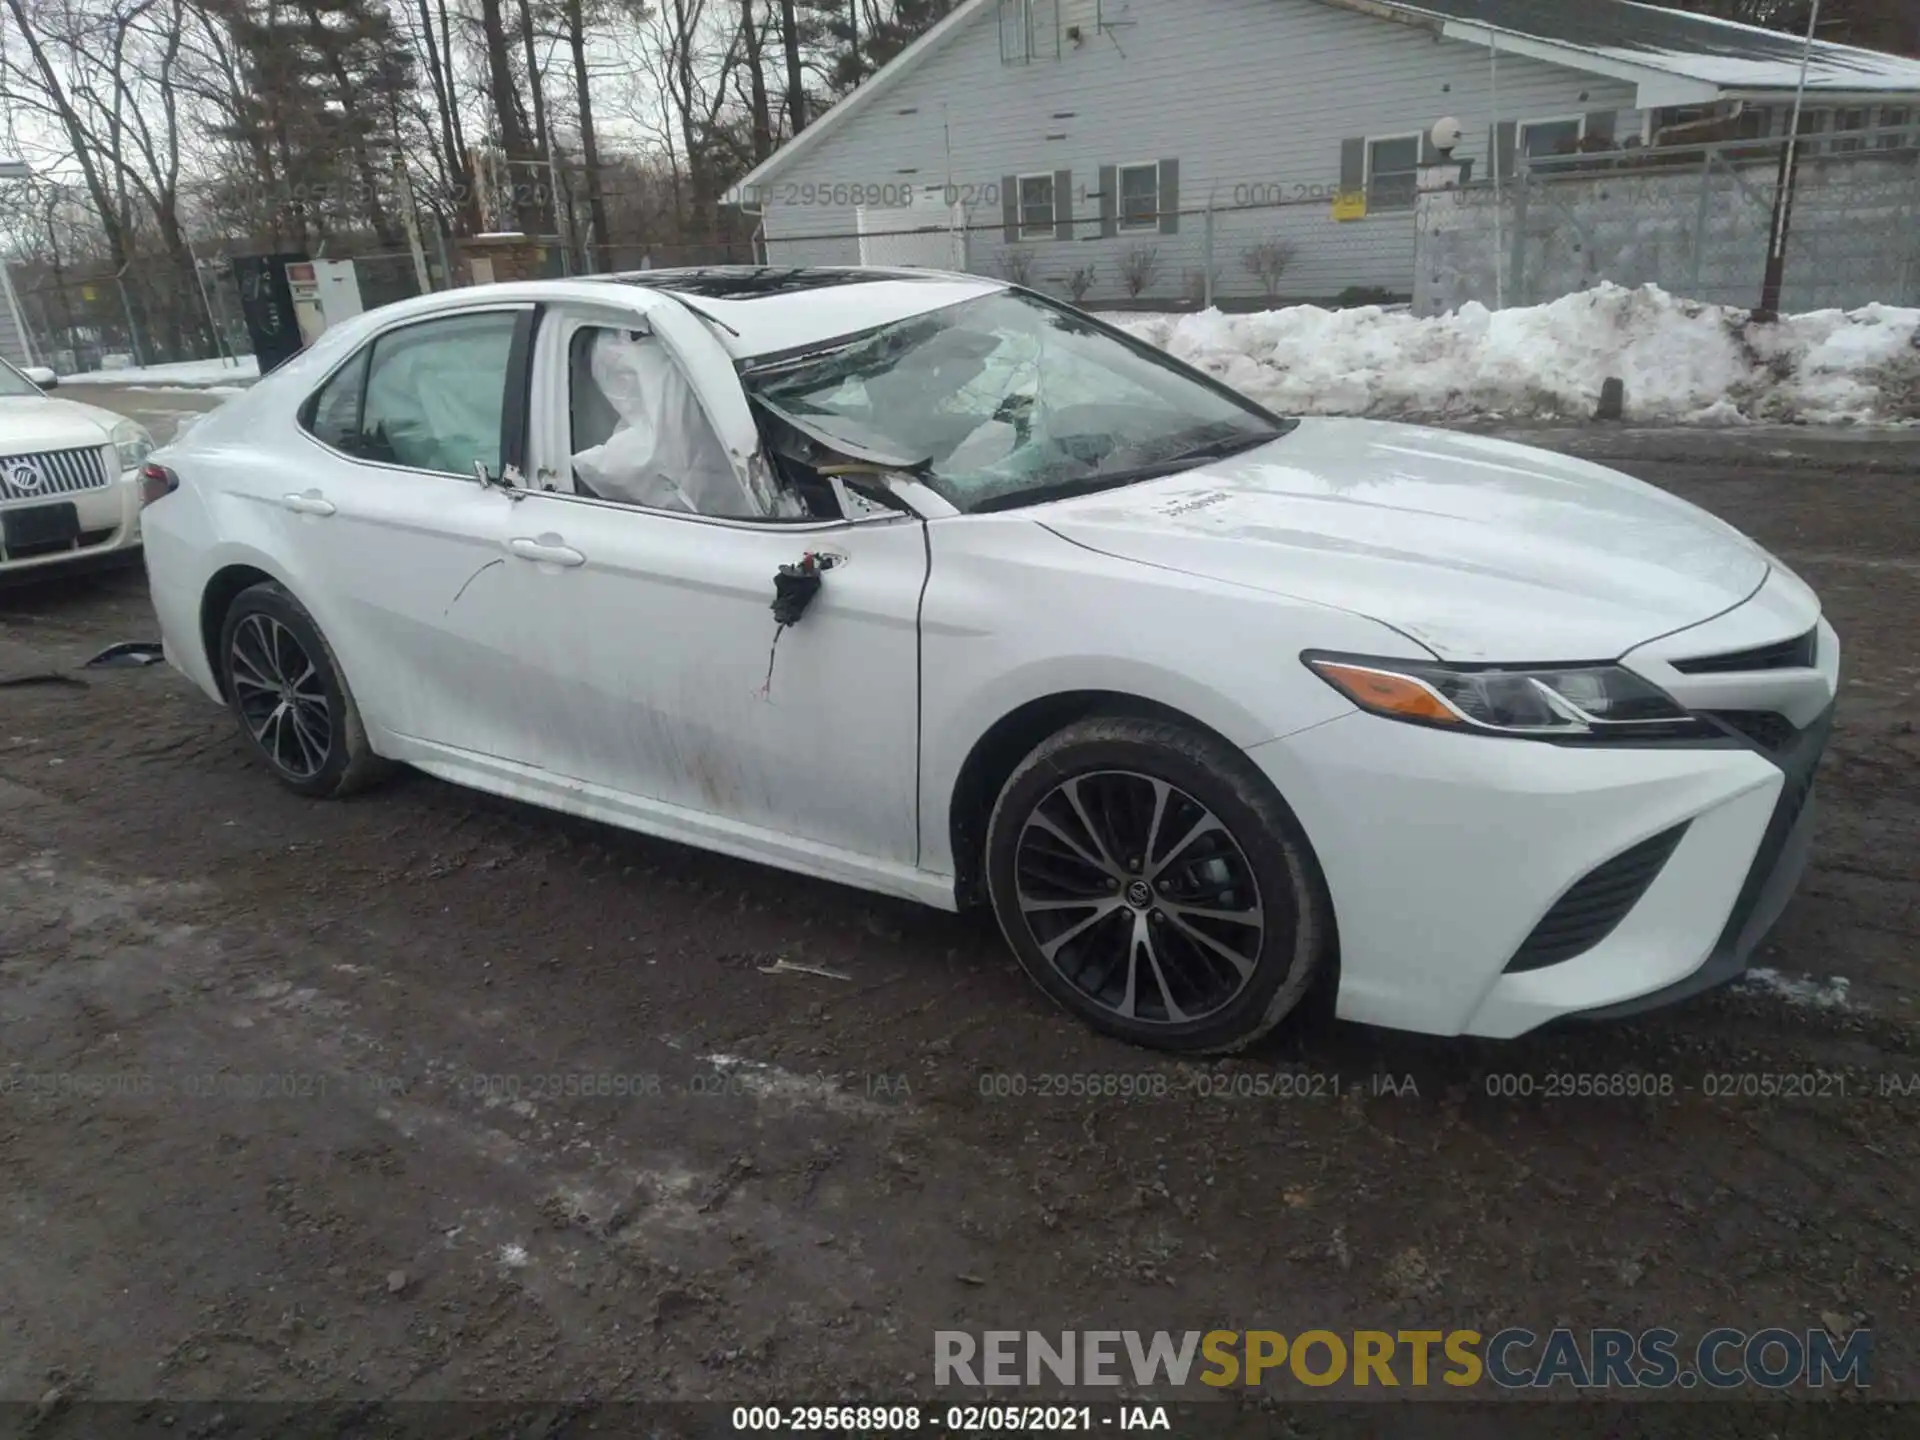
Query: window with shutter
[[1036, 207], [1393, 172], [1140, 196]]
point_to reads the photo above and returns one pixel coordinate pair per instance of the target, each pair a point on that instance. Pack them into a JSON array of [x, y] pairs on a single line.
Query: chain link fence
[[1696, 221], [1241, 247], [80, 316]]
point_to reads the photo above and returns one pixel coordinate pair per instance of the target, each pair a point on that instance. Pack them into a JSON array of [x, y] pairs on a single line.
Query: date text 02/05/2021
[[947, 1420]]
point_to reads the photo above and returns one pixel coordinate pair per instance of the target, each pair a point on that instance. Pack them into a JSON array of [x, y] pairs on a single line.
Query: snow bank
[[1682, 361], [182, 375]]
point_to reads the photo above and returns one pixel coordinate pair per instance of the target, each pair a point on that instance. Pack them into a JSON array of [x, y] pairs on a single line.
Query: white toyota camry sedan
[[933, 586], [69, 479]]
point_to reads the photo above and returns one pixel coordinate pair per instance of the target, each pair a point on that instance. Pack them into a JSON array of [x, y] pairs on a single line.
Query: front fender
[[1014, 614]]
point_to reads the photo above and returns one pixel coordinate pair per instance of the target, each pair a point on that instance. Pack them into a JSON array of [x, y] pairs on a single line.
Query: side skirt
[[701, 830]]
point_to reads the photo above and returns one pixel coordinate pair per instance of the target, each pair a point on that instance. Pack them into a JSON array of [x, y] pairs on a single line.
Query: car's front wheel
[[1151, 881], [286, 689]]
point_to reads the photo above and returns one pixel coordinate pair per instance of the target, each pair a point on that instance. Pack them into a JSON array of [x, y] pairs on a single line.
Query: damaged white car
[[934, 586]]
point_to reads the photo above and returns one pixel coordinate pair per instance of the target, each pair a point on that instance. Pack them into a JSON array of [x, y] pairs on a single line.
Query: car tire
[[285, 687], [1123, 940]]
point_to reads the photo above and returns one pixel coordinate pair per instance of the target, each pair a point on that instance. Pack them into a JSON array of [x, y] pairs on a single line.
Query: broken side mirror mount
[[510, 482], [795, 587]]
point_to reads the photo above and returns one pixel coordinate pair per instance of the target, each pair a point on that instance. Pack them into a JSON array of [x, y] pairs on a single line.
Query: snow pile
[[182, 375], [1682, 361]]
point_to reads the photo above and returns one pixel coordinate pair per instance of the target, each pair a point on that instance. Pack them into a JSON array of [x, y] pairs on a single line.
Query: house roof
[[1717, 52], [1674, 56]]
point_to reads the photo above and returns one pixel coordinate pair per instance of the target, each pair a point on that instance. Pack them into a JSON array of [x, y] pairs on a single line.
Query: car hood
[[1480, 549], [30, 423]]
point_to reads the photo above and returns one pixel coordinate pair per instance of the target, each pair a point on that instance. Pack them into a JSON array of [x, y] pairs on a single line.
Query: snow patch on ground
[[216, 375], [1682, 361], [1801, 990]]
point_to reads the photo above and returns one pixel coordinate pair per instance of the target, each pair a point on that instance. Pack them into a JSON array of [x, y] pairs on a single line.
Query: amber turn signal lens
[[1387, 694]]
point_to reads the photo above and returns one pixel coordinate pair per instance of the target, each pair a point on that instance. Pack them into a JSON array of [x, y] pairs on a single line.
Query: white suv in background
[[69, 479]]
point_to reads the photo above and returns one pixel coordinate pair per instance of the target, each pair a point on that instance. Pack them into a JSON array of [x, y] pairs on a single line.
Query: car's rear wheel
[[286, 689], [1151, 881]]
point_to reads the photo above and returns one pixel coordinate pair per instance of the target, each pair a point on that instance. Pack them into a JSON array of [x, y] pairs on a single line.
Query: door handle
[[311, 503], [547, 550]]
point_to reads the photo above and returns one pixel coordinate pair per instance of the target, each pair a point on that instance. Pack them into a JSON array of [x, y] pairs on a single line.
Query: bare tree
[[696, 58], [435, 45], [42, 85], [1078, 282], [753, 45], [540, 167], [1138, 268], [1268, 262], [574, 16], [796, 78], [108, 74], [508, 113], [1017, 264]]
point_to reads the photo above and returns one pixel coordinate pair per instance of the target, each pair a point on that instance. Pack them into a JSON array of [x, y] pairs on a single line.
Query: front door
[[662, 672]]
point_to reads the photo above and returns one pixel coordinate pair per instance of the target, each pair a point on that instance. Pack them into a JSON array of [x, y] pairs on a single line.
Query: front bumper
[[1775, 874], [109, 530], [1443, 853]]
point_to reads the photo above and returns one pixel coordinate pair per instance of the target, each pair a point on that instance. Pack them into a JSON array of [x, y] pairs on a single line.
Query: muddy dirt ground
[[428, 1095]]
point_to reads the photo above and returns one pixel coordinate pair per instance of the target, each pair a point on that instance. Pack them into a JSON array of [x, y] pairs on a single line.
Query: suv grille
[[1594, 908], [1799, 654], [51, 472]]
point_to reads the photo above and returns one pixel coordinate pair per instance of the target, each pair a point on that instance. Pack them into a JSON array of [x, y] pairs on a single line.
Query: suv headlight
[[132, 443], [1546, 703]]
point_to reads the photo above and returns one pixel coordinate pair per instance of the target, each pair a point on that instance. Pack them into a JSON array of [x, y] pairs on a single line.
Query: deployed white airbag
[[663, 452], [430, 403]]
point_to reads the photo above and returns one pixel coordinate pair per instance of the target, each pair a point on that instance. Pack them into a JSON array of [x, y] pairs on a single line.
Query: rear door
[[650, 639], [392, 523]]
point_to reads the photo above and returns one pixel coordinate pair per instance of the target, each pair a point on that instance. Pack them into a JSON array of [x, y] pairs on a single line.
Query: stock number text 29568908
[[877, 194]]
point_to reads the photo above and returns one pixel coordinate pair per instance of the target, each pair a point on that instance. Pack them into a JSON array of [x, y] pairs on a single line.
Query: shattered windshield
[[1006, 400]]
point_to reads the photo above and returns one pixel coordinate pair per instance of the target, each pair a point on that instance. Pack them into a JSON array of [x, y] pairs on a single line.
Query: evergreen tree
[[328, 81], [853, 38]]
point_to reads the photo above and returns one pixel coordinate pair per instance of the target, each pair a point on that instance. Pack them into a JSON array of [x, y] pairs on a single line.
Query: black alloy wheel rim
[[281, 697], [1139, 897]]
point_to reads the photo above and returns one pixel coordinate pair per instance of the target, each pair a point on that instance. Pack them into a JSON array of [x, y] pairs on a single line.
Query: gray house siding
[[1257, 101]]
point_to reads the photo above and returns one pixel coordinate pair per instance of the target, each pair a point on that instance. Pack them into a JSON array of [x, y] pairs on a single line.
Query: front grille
[[51, 472], [1594, 908], [1801, 653], [1771, 731]]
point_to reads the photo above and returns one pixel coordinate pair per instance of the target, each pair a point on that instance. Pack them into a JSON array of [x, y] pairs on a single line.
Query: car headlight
[[1582, 701], [133, 444]]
